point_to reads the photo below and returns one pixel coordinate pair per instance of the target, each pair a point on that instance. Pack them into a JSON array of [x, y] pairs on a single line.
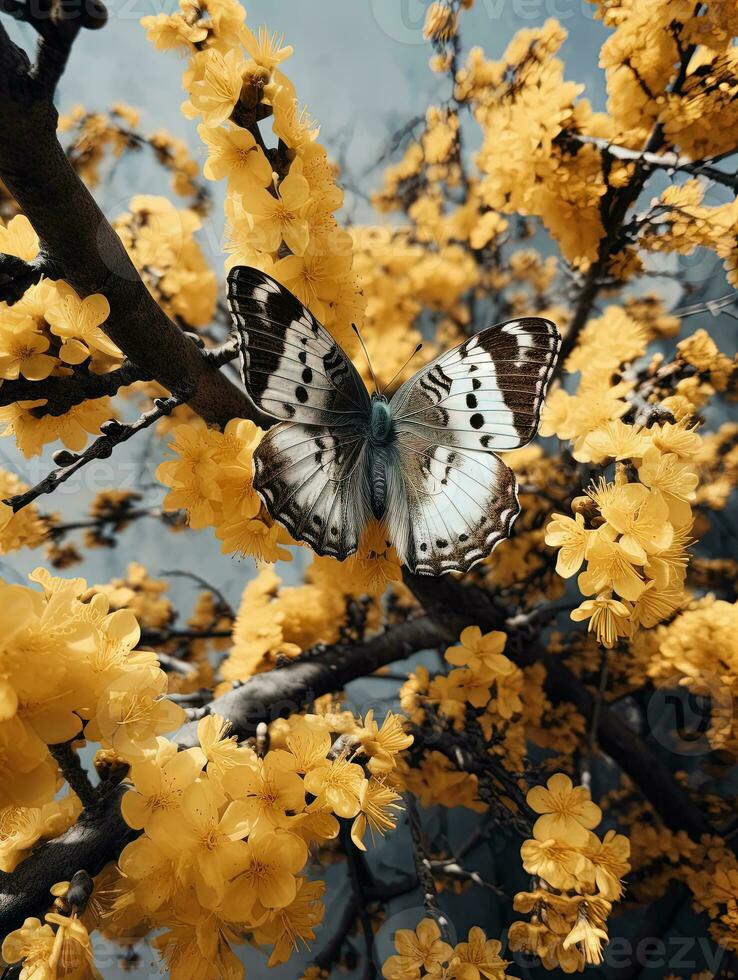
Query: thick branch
[[79, 239], [285, 690], [98, 837]]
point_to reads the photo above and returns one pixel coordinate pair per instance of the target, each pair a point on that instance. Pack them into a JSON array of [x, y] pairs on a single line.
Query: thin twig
[[114, 433]]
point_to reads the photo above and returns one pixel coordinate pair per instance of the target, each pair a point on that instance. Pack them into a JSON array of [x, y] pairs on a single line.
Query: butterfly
[[424, 462]]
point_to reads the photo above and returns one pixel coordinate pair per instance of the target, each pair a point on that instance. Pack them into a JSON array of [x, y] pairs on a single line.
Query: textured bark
[[286, 690], [98, 837], [82, 245]]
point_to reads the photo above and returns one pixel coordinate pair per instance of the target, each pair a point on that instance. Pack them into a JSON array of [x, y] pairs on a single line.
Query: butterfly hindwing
[[486, 393], [313, 481], [292, 368], [454, 507]]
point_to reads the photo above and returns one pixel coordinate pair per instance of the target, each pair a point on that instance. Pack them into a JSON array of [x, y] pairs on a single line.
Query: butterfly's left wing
[[456, 499], [313, 480]]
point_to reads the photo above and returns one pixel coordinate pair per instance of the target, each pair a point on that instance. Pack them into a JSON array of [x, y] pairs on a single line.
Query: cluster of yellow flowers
[[280, 202], [697, 650], [633, 532], [680, 222], [50, 331], [522, 104], [483, 678], [210, 478], [160, 240], [94, 134], [576, 878], [69, 669], [423, 952], [648, 42], [226, 834]]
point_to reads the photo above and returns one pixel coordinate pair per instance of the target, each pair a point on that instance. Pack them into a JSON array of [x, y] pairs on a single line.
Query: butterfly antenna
[[398, 373], [366, 354]]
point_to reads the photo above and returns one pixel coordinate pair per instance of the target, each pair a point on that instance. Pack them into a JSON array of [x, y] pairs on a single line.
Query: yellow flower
[[615, 440], [479, 957], [279, 218], [383, 744], [640, 516], [20, 828], [608, 618], [422, 949], [168, 32], [214, 85], [609, 566], [33, 943], [266, 872], [206, 845], [269, 789], [610, 858], [234, 153], [567, 811], [571, 537], [481, 653], [78, 321], [72, 952], [17, 237], [159, 784], [588, 938], [294, 923], [673, 478], [152, 870], [336, 785], [22, 348], [377, 803], [133, 711], [556, 862], [219, 746], [247, 534]]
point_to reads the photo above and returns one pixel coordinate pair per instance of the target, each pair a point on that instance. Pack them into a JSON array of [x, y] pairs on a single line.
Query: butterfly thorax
[[381, 437]]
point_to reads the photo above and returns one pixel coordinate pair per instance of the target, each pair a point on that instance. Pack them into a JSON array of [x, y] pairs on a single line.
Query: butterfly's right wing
[[292, 368], [313, 480]]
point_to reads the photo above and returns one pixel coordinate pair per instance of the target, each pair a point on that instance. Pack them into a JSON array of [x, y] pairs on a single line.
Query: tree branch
[[285, 690], [98, 837], [78, 238], [61, 394], [113, 435]]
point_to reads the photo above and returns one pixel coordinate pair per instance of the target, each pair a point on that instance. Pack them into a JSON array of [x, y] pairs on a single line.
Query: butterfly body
[[424, 462], [379, 453]]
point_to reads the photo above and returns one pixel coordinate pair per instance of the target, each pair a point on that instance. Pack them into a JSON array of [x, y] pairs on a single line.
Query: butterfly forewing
[[292, 367], [460, 499], [486, 393]]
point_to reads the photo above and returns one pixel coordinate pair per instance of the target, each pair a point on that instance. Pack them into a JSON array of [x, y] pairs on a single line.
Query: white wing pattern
[[292, 367], [309, 472], [313, 481], [458, 499], [449, 498]]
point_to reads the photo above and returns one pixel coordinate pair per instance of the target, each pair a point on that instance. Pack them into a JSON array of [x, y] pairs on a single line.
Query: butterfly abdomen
[[381, 436]]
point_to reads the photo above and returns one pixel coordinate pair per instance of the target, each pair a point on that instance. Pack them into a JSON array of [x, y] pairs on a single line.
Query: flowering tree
[[227, 769]]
